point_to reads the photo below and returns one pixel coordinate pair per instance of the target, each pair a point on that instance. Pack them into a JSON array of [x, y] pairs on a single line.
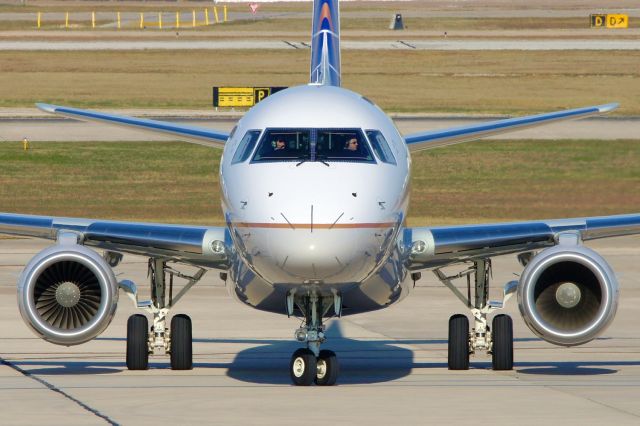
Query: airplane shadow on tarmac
[[361, 361], [375, 361]]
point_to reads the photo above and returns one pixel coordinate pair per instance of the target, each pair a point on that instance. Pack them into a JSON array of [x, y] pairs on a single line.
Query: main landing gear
[[312, 365], [176, 340], [497, 340]]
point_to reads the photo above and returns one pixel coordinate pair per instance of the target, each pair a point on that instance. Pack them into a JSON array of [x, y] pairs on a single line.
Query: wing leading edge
[[200, 245], [193, 134], [437, 246], [453, 135]]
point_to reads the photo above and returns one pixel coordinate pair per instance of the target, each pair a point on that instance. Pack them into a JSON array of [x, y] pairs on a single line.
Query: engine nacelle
[[568, 295], [67, 294]]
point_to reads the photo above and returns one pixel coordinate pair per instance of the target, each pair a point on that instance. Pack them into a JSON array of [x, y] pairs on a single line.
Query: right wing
[[193, 134], [454, 135]]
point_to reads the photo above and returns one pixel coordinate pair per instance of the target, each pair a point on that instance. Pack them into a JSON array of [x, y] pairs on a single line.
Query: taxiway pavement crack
[[54, 388]]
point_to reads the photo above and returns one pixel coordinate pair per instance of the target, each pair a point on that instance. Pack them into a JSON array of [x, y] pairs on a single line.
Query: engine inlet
[[67, 295]]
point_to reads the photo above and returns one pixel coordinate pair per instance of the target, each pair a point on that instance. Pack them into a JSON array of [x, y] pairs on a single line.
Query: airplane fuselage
[[318, 217]]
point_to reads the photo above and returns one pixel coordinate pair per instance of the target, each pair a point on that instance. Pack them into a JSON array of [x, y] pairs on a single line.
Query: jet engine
[[67, 294], [568, 295]]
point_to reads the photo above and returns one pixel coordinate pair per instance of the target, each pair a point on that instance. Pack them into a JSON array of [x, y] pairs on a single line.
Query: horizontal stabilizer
[[193, 134], [453, 135]]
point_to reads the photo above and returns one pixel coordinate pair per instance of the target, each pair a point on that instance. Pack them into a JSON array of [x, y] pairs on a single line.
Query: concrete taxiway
[[393, 364]]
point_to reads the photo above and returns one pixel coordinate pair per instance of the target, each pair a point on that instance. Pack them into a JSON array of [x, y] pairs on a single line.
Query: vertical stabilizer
[[325, 43]]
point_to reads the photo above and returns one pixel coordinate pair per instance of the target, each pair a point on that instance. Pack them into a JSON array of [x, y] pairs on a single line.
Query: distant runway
[[393, 364], [443, 44], [62, 129]]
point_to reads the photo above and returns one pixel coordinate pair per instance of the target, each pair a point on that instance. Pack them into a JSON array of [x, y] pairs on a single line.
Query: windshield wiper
[[321, 159], [304, 160]]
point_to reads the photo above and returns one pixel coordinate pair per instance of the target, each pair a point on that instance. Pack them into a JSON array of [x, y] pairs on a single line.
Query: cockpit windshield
[[313, 145], [284, 145], [346, 145]]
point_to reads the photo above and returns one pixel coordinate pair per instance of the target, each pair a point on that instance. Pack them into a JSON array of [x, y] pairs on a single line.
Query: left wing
[[198, 245], [429, 247], [453, 135], [193, 134]]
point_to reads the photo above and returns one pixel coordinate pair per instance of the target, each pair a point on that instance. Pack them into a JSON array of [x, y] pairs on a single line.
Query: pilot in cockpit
[[351, 146], [281, 145]]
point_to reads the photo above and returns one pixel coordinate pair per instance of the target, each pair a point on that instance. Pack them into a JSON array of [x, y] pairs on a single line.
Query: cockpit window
[[348, 145], [381, 147], [245, 147], [284, 145], [313, 145]]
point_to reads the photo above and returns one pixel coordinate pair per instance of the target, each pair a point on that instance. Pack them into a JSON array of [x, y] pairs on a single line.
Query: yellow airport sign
[[241, 97], [609, 21]]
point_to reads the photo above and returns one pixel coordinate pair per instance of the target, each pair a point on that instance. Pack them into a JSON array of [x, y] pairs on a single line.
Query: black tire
[[502, 335], [327, 369], [458, 342], [181, 343], [137, 342], [303, 367]]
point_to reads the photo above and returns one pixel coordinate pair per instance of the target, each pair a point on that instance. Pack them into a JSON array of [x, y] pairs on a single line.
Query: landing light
[[418, 247], [217, 246]]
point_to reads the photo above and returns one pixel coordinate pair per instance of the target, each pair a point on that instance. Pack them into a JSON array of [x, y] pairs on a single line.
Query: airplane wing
[[198, 245], [454, 135], [430, 247], [193, 134]]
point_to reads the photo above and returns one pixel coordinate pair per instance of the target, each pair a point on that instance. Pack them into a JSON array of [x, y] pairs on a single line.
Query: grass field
[[406, 81], [300, 25], [177, 182]]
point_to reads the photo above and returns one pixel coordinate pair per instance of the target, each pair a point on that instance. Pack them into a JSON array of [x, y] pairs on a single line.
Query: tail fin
[[325, 43]]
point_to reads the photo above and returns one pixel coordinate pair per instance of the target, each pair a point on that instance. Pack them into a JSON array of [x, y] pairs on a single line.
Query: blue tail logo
[[325, 43]]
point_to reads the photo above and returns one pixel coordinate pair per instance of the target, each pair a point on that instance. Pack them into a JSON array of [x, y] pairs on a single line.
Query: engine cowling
[[568, 295], [67, 294]]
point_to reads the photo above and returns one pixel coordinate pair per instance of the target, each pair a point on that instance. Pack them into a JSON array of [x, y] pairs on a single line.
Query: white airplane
[[315, 189]]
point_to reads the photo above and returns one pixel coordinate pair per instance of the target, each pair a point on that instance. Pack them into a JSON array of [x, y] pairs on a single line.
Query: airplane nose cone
[[324, 255], [332, 226]]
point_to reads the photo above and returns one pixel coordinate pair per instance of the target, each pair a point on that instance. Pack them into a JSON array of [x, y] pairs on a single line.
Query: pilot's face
[[280, 144], [352, 145]]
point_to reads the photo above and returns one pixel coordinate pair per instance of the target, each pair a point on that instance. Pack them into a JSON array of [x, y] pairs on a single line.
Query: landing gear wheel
[[327, 369], [458, 342], [181, 343], [137, 342], [502, 335], [303, 367]]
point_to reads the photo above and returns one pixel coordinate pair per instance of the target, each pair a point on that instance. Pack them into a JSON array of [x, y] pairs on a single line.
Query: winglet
[[608, 107], [51, 109]]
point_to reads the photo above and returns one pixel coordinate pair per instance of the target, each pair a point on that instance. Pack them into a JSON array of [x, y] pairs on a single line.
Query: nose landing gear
[[310, 364]]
